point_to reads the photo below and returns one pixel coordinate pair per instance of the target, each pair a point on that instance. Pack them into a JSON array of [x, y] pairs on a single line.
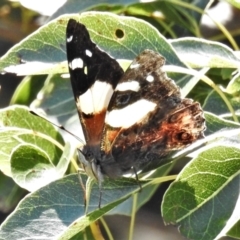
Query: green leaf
[[234, 85], [38, 53], [31, 167], [204, 195], [201, 53], [200, 4], [144, 195], [172, 16], [216, 123], [45, 48], [10, 195], [19, 127], [57, 210], [74, 6], [182, 16], [56, 98], [27, 90], [215, 104], [234, 232]]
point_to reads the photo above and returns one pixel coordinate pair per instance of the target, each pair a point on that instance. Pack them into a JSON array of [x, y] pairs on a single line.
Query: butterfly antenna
[[58, 125]]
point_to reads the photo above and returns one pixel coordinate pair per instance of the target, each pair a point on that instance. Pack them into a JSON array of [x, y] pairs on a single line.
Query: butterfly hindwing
[[147, 118]]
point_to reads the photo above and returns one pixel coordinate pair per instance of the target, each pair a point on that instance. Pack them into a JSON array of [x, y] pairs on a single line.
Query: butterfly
[[130, 120]]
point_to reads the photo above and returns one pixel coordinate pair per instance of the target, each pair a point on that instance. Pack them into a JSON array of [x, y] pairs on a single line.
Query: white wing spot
[[70, 38], [150, 78], [76, 63], [101, 94], [86, 102], [126, 86], [86, 70], [131, 114], [88, 53], [96, 98]]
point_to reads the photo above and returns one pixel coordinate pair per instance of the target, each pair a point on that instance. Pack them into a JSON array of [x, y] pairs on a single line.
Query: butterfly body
[[130, 120]]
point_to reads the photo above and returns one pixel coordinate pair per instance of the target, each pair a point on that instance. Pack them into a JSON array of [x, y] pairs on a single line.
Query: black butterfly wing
[[94, 76], [147, 118]]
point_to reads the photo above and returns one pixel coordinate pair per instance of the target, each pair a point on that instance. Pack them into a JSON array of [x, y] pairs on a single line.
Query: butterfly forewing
[[94, 76]]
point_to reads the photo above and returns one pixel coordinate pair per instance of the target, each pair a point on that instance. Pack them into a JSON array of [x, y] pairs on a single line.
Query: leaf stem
[[96, 231], [106, 228], [218, 24], [133, 216]]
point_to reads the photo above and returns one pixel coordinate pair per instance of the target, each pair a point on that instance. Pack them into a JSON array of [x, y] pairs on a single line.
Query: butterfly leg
[[84, 190], [137, 179]]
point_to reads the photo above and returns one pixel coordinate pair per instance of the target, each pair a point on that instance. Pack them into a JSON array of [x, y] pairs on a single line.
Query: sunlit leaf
[[200, 53], [17, 127], [61, 205], [204, 196]]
